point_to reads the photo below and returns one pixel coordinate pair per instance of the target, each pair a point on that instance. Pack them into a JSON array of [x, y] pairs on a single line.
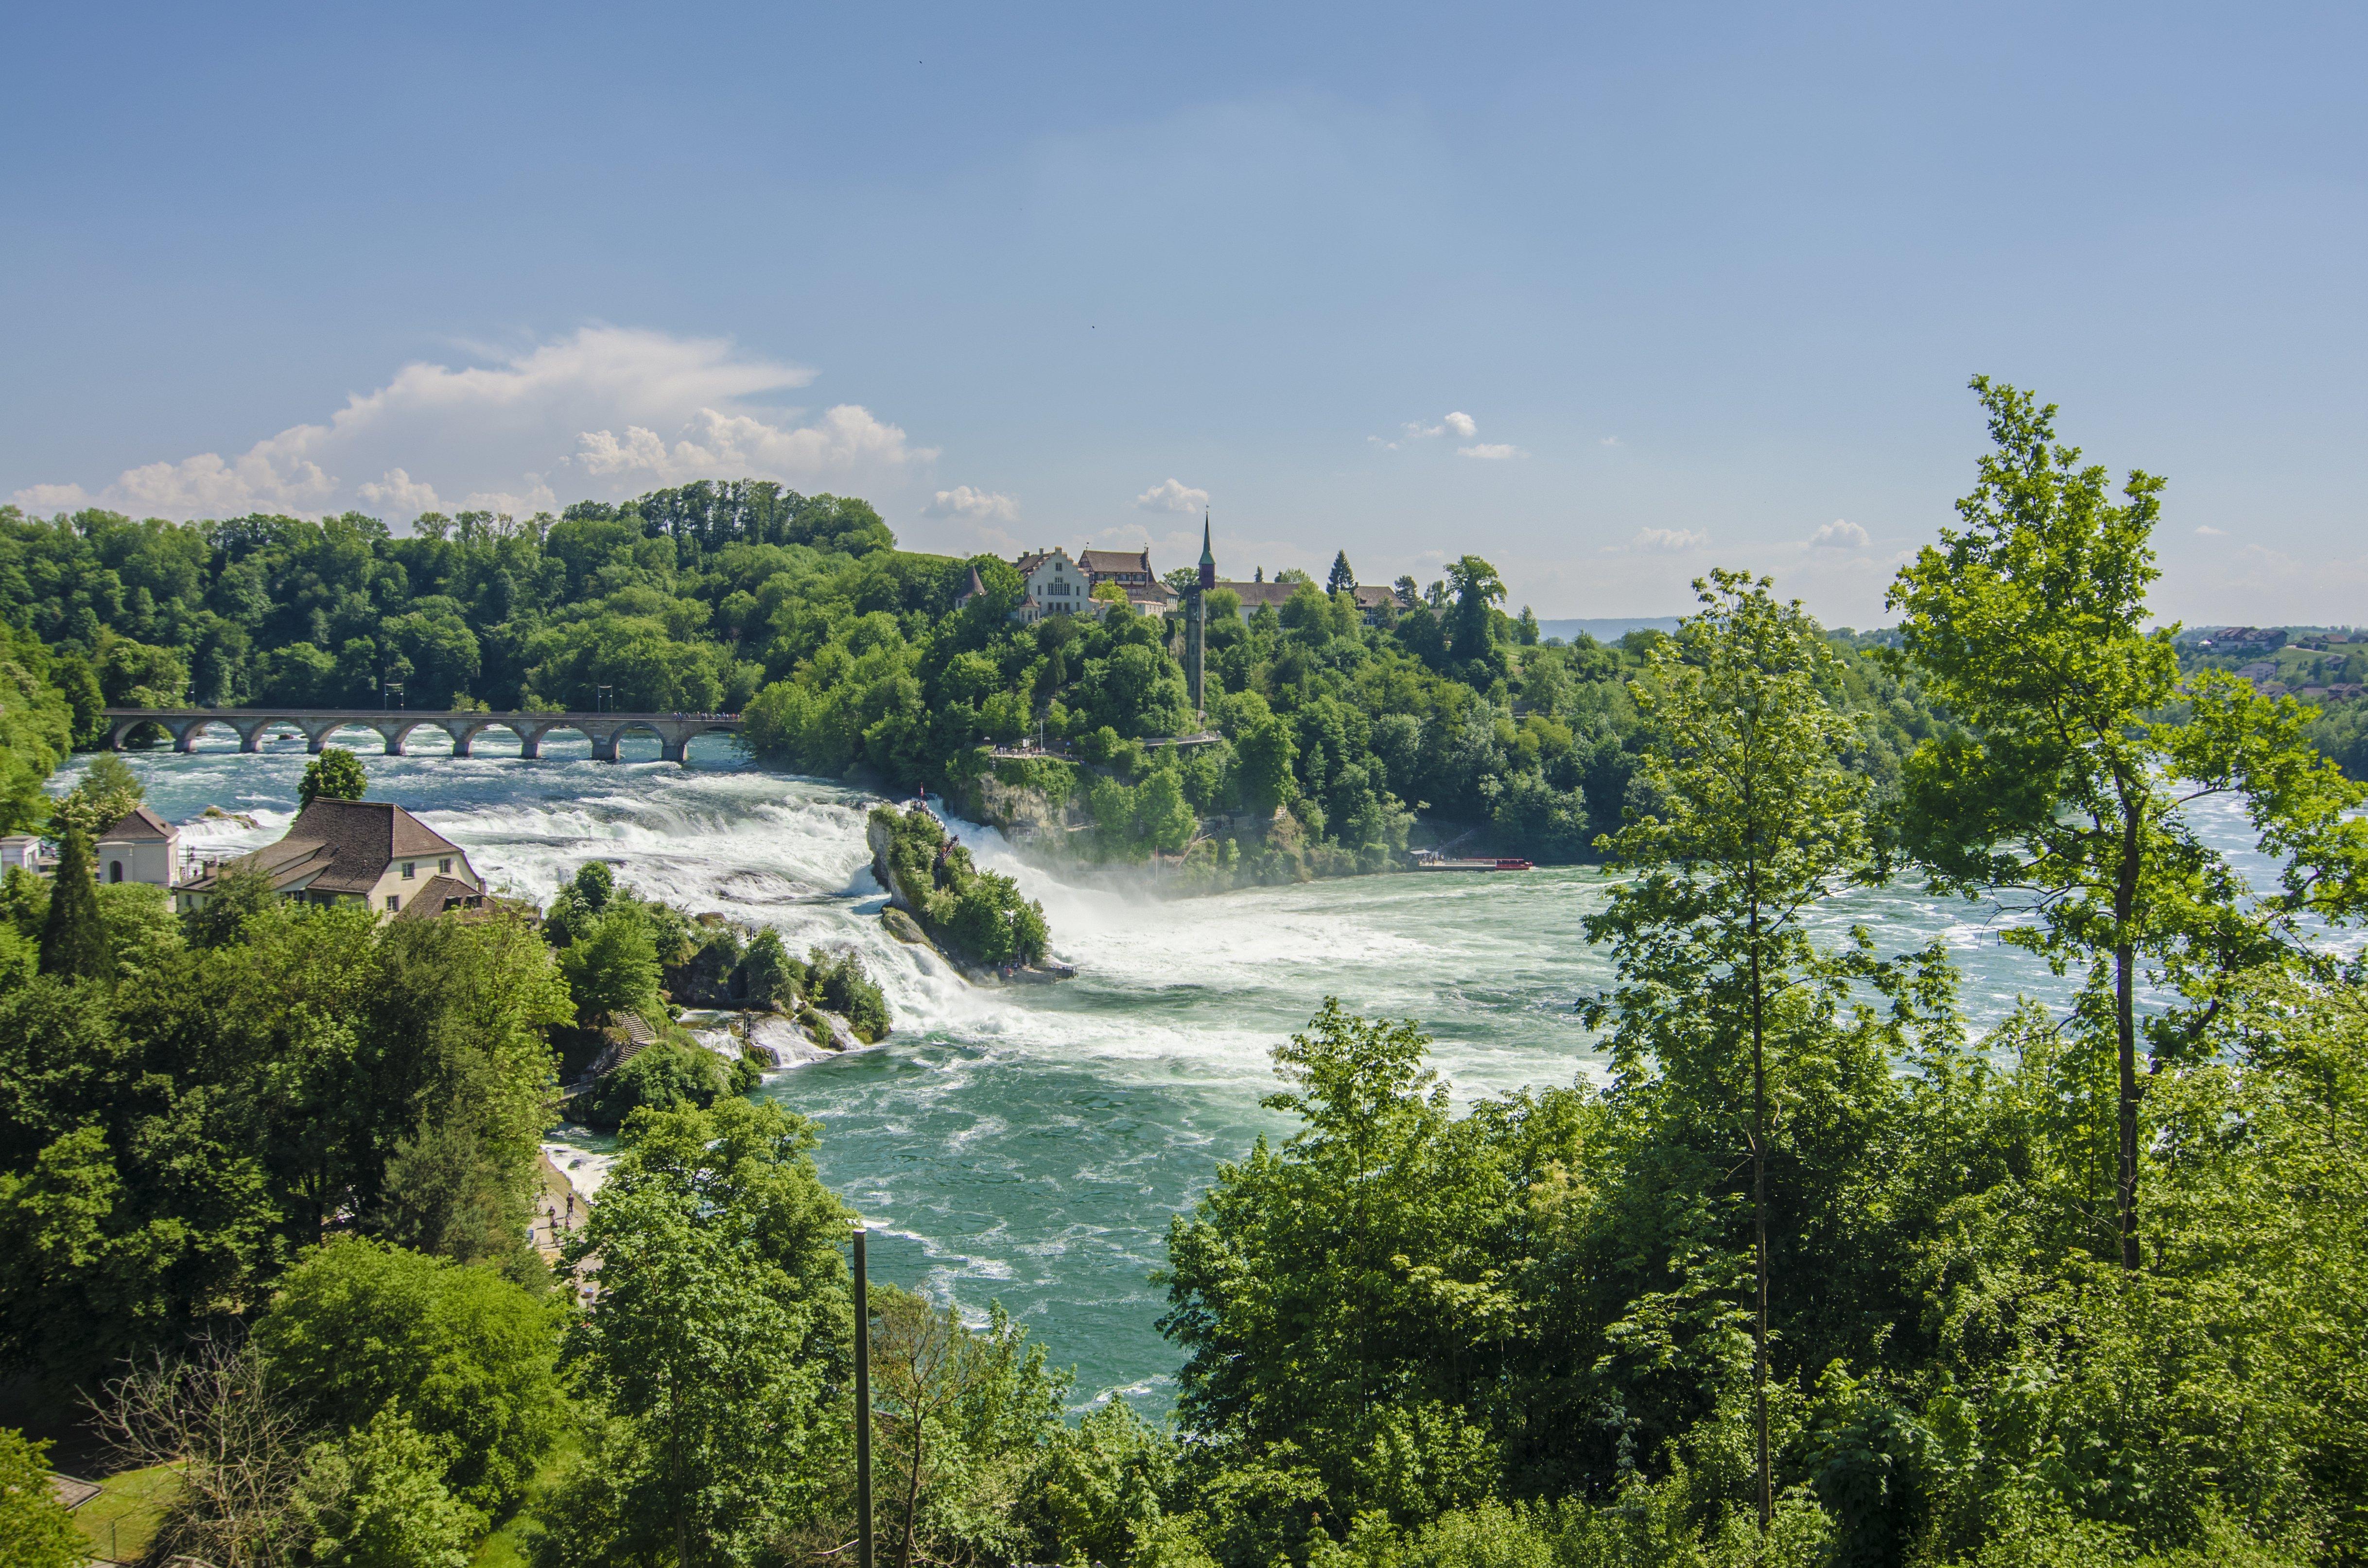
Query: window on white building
[[394, 900], [408, 868]]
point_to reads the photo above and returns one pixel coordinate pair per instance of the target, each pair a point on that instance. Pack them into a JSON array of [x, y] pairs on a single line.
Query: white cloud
[[1608, 441], [1172, 496], [1492, 450], [2208, 531], [1463, 425], [396, 491], [1669, 541], [978, 506], [1840, 534], [498, 431], [719, 446], [43, 499]]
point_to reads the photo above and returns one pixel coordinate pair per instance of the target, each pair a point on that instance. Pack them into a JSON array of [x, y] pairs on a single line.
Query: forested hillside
[[847, 655]]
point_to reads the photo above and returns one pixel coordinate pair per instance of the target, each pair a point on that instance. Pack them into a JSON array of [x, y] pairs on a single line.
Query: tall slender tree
[[1756, 822], [2076, 782], [74, 940], [1341, 575]]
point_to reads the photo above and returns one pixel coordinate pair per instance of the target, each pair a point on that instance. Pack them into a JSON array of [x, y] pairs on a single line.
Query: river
[[1028, 1145]]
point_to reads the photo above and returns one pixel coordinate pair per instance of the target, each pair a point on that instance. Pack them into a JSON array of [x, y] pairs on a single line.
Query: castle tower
[[1208, 579]]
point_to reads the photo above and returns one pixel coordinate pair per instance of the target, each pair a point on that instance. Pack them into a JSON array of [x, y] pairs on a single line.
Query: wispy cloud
[[1670, 542], [615, 404], [1172, 496], [2208, 531], [1463, 426], [1493, 451], [1840, 534]]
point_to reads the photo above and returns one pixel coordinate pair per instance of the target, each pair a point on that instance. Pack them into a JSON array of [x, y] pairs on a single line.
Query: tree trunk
[[1760, 1224], [912, 1500], [2125, 1032]]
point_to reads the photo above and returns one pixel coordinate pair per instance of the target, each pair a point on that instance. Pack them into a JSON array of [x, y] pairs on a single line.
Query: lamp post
[[862, 1408]]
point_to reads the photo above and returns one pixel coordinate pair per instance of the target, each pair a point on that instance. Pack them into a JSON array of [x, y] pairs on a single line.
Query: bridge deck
[[604, 729]]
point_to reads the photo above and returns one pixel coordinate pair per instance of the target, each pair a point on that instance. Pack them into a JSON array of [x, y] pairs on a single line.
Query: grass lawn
[[119, 1522]]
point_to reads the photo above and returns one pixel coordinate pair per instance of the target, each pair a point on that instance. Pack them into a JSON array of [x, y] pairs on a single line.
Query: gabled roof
[[1253, 595], [1116, 560], [1035, 558], [340, 847], [138, 825], [439, 894]]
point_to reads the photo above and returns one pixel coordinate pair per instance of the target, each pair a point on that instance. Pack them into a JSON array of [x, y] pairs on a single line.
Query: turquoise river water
[[1030, 1144]]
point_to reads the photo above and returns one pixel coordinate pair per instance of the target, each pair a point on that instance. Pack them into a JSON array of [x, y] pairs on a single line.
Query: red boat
[[1514, 863]]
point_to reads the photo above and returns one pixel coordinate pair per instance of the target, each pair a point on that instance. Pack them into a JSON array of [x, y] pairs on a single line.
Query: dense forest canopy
[[846, 652]]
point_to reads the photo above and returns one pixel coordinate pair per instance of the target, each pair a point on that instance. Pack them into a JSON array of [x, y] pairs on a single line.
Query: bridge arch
[[680, 750], [251, 736], [185, 733]]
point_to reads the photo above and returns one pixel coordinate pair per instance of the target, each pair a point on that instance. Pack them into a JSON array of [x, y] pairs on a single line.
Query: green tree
[[1756, 823], [74, 939], [461, 1357], [36, 1532], [717, 1343], [335, 775], [1334, 1297], [662, 1076], [100, 799], [2028, 623], [612, 969], [1263, 754], [375, 1498], [958, 1411], [1341, 575], [770, 975], [242, 890], [1477, 591]]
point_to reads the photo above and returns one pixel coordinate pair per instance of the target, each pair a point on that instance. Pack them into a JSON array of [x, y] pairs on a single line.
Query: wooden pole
[[862, 1408]]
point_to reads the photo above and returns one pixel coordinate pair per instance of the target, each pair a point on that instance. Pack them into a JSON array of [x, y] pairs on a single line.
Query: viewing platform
[[673, 732]]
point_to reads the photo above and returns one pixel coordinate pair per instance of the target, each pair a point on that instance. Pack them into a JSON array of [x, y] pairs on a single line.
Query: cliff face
[[877, 836]]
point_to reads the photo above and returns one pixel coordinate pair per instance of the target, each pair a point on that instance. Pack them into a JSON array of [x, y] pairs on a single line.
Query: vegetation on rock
[[978, 917]]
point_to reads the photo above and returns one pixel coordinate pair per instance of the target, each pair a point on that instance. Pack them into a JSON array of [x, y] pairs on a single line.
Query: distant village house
[[365, 852], [141, 847], [1059, 584]]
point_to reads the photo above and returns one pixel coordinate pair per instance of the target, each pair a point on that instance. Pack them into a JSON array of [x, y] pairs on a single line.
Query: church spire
[[1208, 556]]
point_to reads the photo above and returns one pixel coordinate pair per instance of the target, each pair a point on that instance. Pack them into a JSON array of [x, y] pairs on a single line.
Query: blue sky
[[1606, 296]]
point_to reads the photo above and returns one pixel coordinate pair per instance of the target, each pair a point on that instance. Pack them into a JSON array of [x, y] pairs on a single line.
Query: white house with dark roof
[[1057, 585], [368, 852], [140, 847]]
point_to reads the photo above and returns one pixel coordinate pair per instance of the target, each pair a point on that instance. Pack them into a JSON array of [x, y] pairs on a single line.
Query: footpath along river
[[1028, 1144]]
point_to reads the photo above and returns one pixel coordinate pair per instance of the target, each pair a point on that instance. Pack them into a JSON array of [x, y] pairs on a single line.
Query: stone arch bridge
[[675, 732]]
